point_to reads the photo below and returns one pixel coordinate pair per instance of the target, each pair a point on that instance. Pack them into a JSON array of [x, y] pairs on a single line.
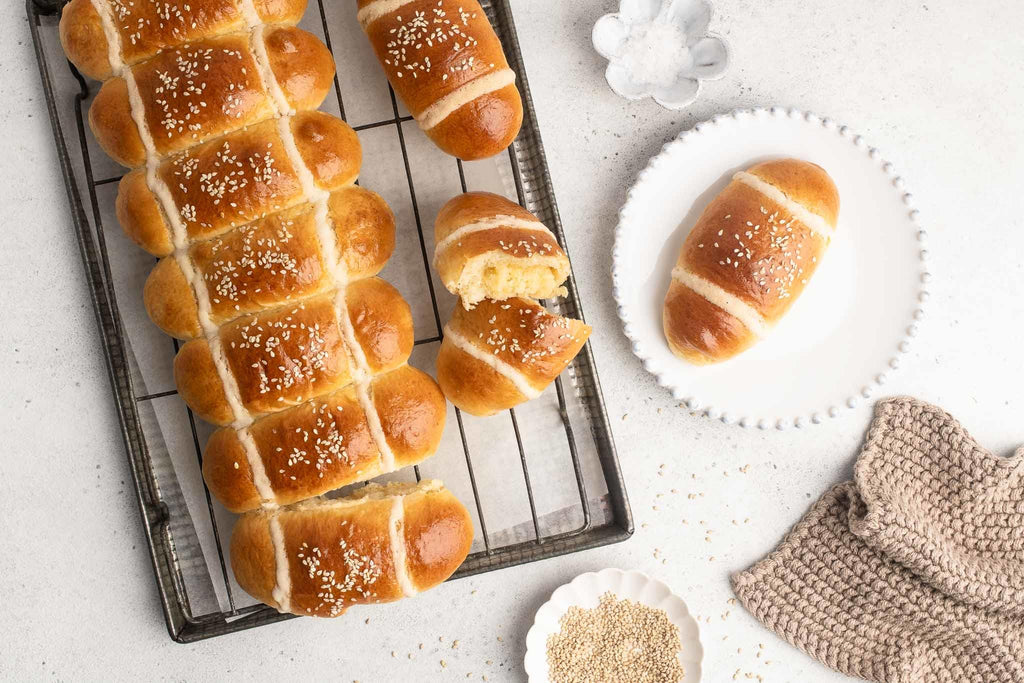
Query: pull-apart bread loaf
[[486, 246], [502, 353], [748, 258], [269, 253], [381, 544], [444, 60]]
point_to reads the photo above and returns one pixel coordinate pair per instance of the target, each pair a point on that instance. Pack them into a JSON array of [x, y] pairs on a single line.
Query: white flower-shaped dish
[[660, 49], [586, 590], [856, 317]]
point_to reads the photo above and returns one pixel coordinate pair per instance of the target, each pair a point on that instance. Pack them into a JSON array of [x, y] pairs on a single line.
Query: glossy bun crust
[[239, 178], [481, 128]]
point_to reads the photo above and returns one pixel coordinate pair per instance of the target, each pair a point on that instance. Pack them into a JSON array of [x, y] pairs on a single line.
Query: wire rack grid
[[533, 189]]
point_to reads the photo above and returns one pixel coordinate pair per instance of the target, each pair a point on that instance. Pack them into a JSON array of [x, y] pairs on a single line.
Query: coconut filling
[[500, 276]]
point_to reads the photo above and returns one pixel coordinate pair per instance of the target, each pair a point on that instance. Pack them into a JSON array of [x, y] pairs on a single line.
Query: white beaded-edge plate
[[857, 315], [586, 590]]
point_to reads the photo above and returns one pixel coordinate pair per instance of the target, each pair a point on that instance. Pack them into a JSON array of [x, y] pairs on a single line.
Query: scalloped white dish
[[660, 49], [585, 591], [843, 336]]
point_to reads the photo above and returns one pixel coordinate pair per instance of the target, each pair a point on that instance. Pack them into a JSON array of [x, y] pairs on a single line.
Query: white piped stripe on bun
[[812, 220], [436, 113], [399, 553], [489, 224], [376, 10], [258, 47], [282, 592], [493, 362], [730, 303], [257, 469]]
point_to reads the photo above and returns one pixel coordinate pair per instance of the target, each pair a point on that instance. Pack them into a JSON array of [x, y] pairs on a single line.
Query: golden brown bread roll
[[748, 258], [284, 356], [502, 353], [140, 29], [199, 91], [444, 60], [326, 443], [380, 544], [241, 177], [486, 246], [271, 262]]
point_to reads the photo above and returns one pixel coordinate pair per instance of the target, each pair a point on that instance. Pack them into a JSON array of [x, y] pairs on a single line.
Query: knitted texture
[[914, 571]]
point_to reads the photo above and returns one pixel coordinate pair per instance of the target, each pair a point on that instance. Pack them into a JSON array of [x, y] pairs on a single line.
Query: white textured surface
[[934, 84]]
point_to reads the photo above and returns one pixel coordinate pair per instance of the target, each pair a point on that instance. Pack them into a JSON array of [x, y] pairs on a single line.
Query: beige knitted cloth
[[914, 571]]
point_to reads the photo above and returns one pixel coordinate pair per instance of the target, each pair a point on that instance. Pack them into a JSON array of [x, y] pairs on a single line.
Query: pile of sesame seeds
[[619, 641]]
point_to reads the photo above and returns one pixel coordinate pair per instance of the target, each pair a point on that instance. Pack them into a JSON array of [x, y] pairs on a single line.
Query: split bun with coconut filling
[[487, 247]]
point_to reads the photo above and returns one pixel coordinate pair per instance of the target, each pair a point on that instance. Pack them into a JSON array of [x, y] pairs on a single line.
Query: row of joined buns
[[268, 256]]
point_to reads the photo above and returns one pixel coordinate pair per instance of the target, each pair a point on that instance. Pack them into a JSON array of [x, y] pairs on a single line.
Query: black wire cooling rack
[[533, 188]]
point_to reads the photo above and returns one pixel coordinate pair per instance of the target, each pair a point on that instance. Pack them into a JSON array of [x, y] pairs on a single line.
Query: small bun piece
[[489, 247], [284, 356], [144, 29], [239, 178], [501, 354], [380, 544], [200, 91], [446, 63], [748, 258], [327, 443], [271, 262]]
